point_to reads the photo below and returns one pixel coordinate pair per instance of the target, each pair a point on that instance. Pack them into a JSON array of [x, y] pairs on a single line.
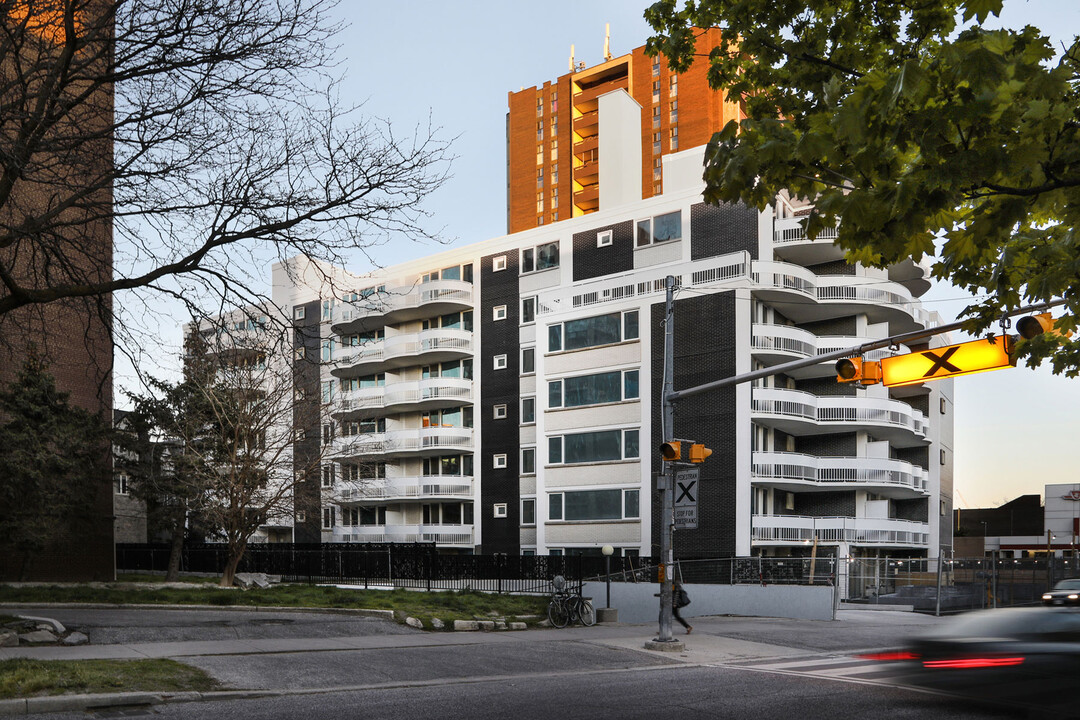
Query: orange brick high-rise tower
[[555, 132]]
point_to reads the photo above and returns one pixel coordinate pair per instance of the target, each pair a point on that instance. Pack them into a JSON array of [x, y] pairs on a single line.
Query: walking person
[[680, 599]]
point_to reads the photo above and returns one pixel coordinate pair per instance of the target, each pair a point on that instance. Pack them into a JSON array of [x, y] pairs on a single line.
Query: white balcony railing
[[784, 276], [859, 531], [403, 441], [793, 341], [439, 534], [409, 344], [838, 470], [457, 390], [408, 297], [828, 410], [793, 230], [408, 488]]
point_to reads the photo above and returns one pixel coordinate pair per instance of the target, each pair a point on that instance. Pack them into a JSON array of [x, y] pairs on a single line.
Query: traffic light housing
[[1035, 325], [671, 450], [857, 370], [699, 452]]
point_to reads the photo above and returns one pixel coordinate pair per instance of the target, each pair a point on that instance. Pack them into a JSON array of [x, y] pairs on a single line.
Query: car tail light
[[967, 663], [890, 656]]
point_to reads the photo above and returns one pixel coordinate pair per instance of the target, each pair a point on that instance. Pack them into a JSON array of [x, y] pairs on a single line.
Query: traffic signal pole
[[667, 512]]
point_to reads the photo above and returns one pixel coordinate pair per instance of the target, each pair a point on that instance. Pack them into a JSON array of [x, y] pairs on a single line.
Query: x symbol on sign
[[684, 491], [941, 363]]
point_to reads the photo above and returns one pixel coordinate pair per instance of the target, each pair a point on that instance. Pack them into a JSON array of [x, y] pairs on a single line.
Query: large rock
[[466, 625], [38, 636], [437, 623], [75, 638], [414, 622], [8, 638], [247, 580]]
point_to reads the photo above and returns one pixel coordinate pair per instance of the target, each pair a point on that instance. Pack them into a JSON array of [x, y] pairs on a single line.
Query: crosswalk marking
[[834, 667]]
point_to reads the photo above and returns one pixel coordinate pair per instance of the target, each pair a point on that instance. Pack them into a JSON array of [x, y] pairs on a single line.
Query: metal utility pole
[[667, 481]]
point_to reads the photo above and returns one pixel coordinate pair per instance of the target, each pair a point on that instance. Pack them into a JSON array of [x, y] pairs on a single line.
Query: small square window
[[942, 508], [942, 456], [298, 312], [942, 405], [498, 263], [499, 362], [603, 239], [499, 312], [500, 412], [301, 516], [499, 460], [500, 510]]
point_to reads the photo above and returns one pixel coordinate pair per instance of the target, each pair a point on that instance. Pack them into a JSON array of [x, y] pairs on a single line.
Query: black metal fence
[[396, 566]]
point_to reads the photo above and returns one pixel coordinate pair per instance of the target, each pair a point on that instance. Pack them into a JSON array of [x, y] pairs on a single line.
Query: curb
[[234, 608], [78, 703]]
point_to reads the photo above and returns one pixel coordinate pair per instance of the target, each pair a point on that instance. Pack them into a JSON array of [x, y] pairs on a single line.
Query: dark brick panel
[[722, 229], [837, 445], [836, 267], [920, 403], [836, 326], [499, 387], [306, 415], [592, 262], [826, 387], [915, 509], [705, 345], [916, 456], [825, 504]]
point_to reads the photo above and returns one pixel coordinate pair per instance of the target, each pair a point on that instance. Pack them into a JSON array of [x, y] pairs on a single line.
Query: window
[[674, 111], [328, 476], [554, 126], [539, 106], [498, 264], [301, 353], [327, 349], [350, 428], [528, 361], [590, 447], [327, 433], [528, 511], [540, 132], [499, 362], [301, 516], [554, 175], [327, 308], [661, 228], [449, 417], [327, 518], [604, 387], [540, 177], [673, 138], [542, 257], [454, 465], [499, 312], [327, 391], [656, 91], [656, 143], [673, 86], [528, 410], [554, 101], [301, 435], [499, 460], [500, 412], [528, 310], [500, 510], [123, 485], [590, 332], [554, 198], [540, 155], [941, 405], [942, 456], [554, 150], [604, 238], [594, 505], [528, 461], [656, 117], [656, 67], [298, 312], [540, 201]]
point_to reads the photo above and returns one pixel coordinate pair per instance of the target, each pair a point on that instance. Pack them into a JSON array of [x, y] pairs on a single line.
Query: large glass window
[[593, 331], [659, 229], [593, 389], [593, 505], [596, 446], [542, 257]]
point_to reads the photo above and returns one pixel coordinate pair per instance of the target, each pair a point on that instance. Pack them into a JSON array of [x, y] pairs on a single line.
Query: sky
[[453, 63]]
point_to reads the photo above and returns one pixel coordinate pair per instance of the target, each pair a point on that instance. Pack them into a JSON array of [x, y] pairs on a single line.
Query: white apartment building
[[504, 396]]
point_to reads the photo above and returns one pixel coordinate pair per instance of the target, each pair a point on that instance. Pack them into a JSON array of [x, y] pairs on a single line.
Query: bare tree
[[205, 135]]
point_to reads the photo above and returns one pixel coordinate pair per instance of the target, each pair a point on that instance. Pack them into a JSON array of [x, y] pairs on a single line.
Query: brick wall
[[307, 452], [835, 445], [825, 504], [836, 326], [499, 387], [826, 387], [721, 229], [591, 261]]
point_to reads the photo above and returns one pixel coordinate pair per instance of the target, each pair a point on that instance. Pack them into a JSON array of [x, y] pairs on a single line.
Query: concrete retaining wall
[[639, 603]]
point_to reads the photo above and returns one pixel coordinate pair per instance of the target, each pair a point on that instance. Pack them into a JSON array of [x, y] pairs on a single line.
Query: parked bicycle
[[566, 608]]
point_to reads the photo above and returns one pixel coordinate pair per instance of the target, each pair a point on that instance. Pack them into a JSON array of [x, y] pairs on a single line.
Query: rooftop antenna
[[607, 41], [571, 58]]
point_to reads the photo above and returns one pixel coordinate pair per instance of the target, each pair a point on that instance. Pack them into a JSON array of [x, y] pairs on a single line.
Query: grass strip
[[447, 606], [22, 678]]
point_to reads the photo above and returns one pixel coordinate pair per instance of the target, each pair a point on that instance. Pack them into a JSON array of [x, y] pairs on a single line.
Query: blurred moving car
[[1066, 592], [1028, 656]]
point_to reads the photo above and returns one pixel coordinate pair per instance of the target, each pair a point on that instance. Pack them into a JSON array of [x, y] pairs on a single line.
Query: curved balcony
[[427, 394], [426, 487], [915, 276], [775, 344], [801, 413], [791, 243], [796, 472], [422, 348], [443, 535], [397, 443], [410, 302], [802, 529], [804, 297]]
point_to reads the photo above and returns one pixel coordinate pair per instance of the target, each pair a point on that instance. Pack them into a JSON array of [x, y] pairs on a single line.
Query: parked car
[[1066, 592], [1028, 656]]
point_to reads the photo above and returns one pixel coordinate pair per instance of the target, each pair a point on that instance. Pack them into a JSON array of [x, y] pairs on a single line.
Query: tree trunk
[[176, 546], [235, 553]]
